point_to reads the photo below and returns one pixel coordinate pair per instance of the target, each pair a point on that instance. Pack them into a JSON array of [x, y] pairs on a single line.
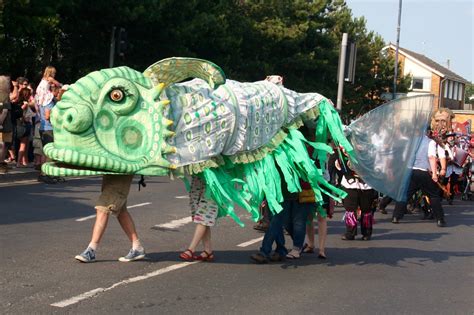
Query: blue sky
[[438, 29]]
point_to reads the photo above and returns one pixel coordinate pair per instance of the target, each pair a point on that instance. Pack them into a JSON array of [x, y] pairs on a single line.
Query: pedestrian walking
[[113, 200], [204, 213], [425, 176], [359, 196]]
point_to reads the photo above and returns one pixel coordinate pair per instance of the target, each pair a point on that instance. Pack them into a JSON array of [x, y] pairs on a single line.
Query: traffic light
[[351, 57], [350, 62], [121, 45]]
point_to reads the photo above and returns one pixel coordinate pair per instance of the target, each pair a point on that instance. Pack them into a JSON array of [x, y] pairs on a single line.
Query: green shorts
[[115, 189]]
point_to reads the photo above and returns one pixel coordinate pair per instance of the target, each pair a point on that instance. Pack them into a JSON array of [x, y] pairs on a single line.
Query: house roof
[[430, 64]]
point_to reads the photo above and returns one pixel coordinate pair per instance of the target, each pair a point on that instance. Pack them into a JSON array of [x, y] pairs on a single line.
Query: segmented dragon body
[[120, 121]]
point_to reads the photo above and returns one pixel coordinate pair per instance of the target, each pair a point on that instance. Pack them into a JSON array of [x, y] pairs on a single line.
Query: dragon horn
[[172, 70]]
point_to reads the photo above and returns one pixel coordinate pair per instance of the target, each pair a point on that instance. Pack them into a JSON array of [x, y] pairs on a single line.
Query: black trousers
[[363, 199], [422, 180], [384, 202], [454, 180]]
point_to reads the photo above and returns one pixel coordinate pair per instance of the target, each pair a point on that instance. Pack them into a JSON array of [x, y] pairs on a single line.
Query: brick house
[[430, 77]]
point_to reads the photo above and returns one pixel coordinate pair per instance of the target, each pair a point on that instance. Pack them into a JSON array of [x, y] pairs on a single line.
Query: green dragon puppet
[[231, 134]]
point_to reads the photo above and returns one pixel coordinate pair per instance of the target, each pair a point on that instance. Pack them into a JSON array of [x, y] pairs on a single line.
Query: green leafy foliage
[[469, 93]]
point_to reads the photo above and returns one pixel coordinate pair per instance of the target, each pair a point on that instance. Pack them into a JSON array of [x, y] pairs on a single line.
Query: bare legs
[[322, 234], [113, 199], [39, 160], [22, 159], [201, 233], [128, 226], [125, 220], [310, 232], [3, 151], [100, 225]]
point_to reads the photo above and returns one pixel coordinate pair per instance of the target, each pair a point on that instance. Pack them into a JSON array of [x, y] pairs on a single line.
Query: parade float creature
[[231, 134]]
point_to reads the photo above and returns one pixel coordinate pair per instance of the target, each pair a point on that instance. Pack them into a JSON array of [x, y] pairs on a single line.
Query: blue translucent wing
[[385, 141]]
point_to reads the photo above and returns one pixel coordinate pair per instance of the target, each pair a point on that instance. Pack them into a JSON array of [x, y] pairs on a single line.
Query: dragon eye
[[116, 95], [120, 95]]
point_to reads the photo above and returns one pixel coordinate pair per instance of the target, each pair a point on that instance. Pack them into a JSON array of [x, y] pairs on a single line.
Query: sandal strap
[[187, 252], [208, 255]]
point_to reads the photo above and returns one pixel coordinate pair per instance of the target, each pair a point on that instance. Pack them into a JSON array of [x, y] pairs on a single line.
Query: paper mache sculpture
[[231, 134]]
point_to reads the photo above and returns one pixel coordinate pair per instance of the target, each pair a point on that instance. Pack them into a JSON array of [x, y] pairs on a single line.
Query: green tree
[[249, 39], [469, 93], [289, 38], [31, 36]]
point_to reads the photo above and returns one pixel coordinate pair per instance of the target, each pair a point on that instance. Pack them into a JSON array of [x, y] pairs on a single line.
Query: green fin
[[176, 69]]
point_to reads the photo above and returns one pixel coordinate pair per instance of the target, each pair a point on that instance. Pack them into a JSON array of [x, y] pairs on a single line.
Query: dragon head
[[110, 122], [113, 121]]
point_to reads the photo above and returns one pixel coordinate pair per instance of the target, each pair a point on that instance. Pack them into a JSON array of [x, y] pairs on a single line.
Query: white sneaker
[[133, 255], [87, 256]]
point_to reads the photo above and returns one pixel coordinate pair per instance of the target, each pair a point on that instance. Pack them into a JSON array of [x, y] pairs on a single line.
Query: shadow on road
[[392, 256], [42, 202]]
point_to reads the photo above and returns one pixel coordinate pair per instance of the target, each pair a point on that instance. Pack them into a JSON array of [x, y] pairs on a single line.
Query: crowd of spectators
[[25, 121]]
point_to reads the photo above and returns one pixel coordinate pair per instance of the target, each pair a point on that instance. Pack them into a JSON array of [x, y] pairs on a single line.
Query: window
[[417, 84], [455, 91], [451, 87], [460, 96], [445, 89]]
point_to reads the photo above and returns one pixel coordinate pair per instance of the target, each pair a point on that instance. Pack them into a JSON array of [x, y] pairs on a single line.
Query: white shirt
[[353, 183], [44, 96], [435, 151]]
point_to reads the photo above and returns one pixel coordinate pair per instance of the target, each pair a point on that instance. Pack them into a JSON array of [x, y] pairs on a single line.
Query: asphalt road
[[410, 268]]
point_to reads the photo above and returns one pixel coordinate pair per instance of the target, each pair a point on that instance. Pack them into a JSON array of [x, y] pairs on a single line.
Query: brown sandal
[[187, 255]]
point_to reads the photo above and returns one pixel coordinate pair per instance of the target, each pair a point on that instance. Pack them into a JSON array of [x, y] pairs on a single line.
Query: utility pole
[[342, 67], [112, 48], [396, 51]]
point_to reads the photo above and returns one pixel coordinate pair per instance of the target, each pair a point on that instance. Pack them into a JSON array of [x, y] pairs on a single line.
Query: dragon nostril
[[78, 119]]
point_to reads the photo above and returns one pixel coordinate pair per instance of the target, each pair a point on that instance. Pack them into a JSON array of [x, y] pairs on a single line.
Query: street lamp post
[[342, 64]]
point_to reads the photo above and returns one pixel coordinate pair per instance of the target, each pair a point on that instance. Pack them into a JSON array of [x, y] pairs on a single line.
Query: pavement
[[409, 268], [18, 174]]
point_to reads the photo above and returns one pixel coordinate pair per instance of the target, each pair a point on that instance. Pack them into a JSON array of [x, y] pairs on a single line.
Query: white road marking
[[129, 207], [182, 197], [175, 223], [139, 205], [95, 292], [245, 244], [85, 218], [170, 225]]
